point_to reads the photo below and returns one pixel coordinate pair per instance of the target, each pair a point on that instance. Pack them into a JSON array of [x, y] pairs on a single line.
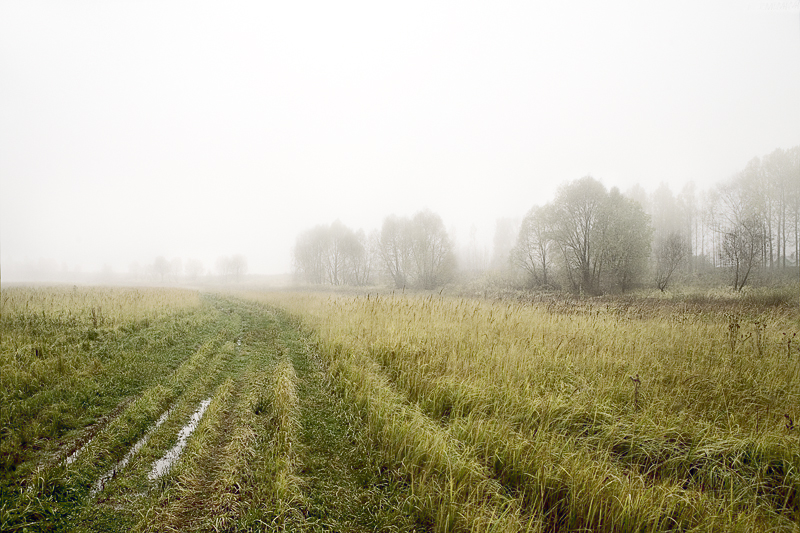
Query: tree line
[[747, 224], [412, 252], [589, 239], [163, 270]]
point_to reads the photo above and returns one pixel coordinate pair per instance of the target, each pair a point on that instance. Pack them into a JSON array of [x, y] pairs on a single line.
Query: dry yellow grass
[[636, 415]]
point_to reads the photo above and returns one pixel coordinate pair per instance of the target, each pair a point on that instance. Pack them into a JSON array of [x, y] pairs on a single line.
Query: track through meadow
[[275, 446], [265, 412]]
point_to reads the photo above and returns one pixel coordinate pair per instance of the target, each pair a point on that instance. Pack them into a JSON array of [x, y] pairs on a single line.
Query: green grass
[[397, 413]]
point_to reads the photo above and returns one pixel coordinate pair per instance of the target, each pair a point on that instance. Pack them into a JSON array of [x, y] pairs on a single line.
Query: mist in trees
[[535, 248], [407, 252], [161, 267], [165, 270], [670, 254], [588, 239], [394, 248], [505, 235], [626, 241], [194, 269], [232, 268], [745, 226], [752, 219], [431, 251], [333, 254]]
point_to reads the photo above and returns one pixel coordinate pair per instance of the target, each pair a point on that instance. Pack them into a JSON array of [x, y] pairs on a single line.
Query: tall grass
[[99, 306], [452, 490], [545, 394]]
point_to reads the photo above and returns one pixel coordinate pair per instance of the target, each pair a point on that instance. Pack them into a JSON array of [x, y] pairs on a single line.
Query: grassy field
[[632, 416], [324, 412]]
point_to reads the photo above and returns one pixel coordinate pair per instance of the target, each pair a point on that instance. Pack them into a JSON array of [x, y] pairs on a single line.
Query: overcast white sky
[[198, 129]]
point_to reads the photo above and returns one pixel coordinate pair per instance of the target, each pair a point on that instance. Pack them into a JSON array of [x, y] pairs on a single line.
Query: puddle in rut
[[163, 465], [101, 483]]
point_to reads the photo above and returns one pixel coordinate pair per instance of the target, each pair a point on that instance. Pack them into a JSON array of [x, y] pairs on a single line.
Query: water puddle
[[163, 465], [101, 483]]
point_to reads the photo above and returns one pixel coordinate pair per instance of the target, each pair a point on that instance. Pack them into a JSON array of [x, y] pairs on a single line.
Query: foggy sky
[[186, 129]]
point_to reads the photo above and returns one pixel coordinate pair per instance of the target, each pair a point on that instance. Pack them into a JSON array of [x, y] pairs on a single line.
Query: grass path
[[344, 488], [279, 447]]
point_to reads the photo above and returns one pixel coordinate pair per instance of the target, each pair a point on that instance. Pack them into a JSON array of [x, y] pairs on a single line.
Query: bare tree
[[505, 233], [576, 218], [395, 248], [625, 242], [602, 238], [666, 212], [335, 258], [333, 254], [431, 250], [693, 232], [232, 267], [161, 267], [741, 227], [238, 266], [793, 200], [535, 246], [309, 257], [671, 253], [358, 259], [741, 247]]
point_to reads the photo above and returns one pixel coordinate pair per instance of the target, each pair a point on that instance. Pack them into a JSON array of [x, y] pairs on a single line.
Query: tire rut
[[187, 506], [344, 489]]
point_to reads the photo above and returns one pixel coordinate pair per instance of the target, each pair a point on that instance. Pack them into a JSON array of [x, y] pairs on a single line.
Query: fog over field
[[204, 130]]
